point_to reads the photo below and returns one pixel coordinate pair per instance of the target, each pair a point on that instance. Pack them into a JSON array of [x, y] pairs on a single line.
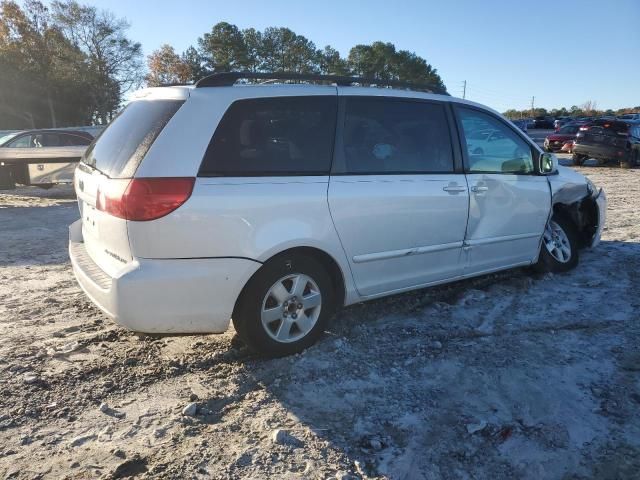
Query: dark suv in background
[[608, 140], [543, 122]]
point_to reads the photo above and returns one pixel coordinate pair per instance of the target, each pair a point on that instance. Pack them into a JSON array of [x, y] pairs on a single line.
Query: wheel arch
[[325, 259], [583, 214]]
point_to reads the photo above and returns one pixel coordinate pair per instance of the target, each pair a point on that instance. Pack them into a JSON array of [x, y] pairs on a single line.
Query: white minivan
[[275, 204]]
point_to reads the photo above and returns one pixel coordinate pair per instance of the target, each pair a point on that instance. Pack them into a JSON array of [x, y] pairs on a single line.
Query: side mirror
[[548, 164]]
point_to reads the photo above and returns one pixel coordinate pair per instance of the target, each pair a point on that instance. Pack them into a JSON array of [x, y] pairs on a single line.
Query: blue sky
[[563, 52]]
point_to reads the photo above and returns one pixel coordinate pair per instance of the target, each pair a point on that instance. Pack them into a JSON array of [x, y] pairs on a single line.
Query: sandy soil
[[505, 376]]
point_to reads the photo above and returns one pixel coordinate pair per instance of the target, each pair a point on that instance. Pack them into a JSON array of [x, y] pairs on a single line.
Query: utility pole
[[532, 100], [464, 89]]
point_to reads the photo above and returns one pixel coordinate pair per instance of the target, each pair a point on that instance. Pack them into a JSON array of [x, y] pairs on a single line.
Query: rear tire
[[559, 249], [285, 306], [631, 160], [578, 159]]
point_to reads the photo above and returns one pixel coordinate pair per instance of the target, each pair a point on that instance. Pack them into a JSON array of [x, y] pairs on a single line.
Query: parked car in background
[[607, 140], [543, 122], [555, 141], [41, 157], [629, 117], [521, 124], [559, 122], [276, 204]]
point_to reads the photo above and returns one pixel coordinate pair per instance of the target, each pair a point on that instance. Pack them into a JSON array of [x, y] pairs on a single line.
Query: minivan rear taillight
[[143, 199]]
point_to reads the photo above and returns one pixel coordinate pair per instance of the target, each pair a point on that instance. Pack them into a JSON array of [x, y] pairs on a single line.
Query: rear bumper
[[163, 296], [603, 152], [601, 202]]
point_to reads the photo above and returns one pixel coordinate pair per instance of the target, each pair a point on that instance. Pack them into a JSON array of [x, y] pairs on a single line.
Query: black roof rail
[[227, 79]]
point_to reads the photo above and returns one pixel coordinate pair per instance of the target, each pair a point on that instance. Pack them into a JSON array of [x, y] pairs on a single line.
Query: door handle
[[454, 188], [479, 189]]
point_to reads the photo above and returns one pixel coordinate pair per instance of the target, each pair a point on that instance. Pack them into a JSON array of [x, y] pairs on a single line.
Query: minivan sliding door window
[[394, 136]]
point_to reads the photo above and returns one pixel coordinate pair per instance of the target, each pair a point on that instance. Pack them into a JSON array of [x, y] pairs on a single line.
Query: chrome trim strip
[[371, 257], [506, 238]]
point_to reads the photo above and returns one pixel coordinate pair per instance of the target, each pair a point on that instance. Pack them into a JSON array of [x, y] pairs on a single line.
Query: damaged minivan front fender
[[573, 195]]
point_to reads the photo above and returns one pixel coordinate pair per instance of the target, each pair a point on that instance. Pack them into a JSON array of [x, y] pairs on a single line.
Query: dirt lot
[[506, 376]]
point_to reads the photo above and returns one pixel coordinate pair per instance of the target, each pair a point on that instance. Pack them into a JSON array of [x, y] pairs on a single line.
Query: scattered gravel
[[512, 375]]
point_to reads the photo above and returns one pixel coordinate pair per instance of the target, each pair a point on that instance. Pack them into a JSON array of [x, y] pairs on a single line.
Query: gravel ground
[[505, 376]]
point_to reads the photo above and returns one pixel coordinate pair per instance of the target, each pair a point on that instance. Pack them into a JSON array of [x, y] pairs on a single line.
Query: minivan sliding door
[[398, 206]]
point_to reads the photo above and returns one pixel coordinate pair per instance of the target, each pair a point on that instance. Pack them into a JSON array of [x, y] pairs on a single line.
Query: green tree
[[331, 63], [381, 61], [195, 64], [285, 51], [114, 60], [223, 49], [42, 74], [253, 42]]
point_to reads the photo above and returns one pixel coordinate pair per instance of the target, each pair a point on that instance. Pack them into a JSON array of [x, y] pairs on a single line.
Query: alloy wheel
[[291, 308], [556, 242]]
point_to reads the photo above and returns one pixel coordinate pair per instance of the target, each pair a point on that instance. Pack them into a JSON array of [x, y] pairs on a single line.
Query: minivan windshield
[[118, 151]]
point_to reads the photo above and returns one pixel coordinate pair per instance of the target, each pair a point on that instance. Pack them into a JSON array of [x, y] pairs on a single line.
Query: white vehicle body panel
[[25, 155], [105, 237], [386, 233], [507, 216], [46, 173], [399, 231], [45, 164], [163, 296]]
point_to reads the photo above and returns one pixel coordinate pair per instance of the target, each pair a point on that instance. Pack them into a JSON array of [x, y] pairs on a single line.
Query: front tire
[[285, 306], [559, 249]]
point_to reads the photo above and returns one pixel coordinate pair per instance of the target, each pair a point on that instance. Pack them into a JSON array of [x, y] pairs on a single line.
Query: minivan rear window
[[118, 151], [278, 136]]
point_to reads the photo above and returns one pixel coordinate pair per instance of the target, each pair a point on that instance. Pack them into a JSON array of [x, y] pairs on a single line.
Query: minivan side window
[[277, 136], [394, 136], [492, 146]]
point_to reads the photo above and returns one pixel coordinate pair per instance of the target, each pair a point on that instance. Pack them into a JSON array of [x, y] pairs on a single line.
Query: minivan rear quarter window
[[120, 148], [273, 136]]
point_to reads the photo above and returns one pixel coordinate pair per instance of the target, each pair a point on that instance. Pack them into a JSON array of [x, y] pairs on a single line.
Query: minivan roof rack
[[227, 79]]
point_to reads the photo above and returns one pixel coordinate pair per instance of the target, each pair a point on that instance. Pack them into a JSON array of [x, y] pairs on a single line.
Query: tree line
[[587, 109], [63, 64], [279, 49]]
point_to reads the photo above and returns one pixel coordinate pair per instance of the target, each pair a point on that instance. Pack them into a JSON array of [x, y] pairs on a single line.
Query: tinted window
[[492, 146], [568, 130], [70, 140], [46, 140], [21, 142], [6, 138], [383, 135], [273, 136], [120, 148]]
